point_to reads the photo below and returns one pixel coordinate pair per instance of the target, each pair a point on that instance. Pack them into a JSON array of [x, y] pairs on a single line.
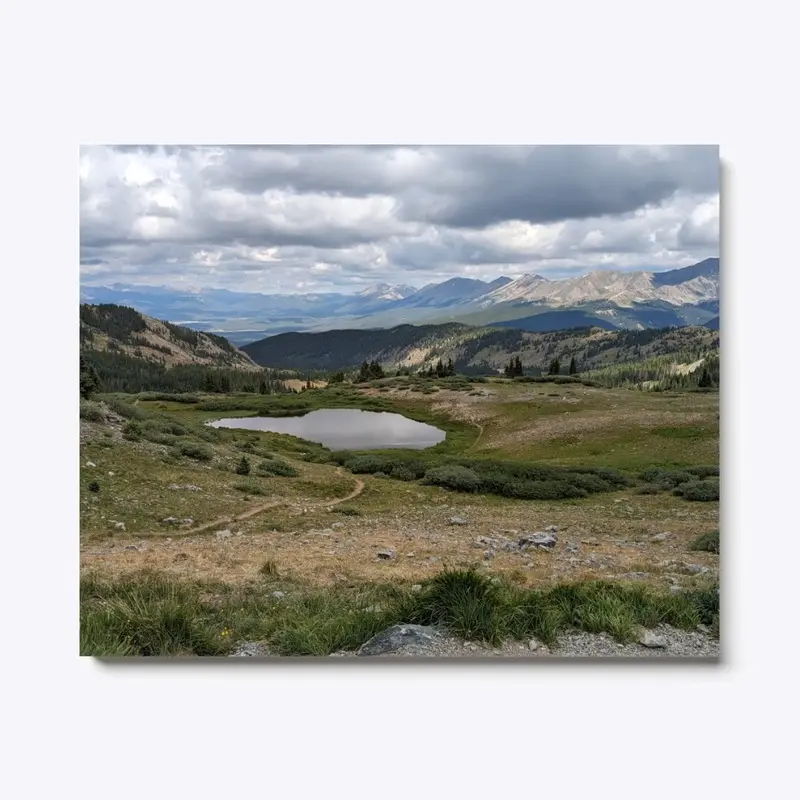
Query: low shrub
[[93, 412], [195, 450], [700, 491], [667, 477], [362, 465], [704, 472], [93, 486], [275, 467], [707, 542], [404, 472], [125, 410], [132, 430], [248, 487], [453, 476]]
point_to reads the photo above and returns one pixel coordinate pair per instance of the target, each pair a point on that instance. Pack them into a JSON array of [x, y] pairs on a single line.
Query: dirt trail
[[252, 512]]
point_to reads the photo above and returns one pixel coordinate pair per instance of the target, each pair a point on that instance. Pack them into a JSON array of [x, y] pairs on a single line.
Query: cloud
[[270, 218]]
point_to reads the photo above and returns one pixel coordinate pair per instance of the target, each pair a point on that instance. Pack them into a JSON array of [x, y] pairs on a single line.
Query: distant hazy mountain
[[383, 291], [557, 321], [639, 299]]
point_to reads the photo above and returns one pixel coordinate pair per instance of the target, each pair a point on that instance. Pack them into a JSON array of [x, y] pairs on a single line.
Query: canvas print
[[409, 401]]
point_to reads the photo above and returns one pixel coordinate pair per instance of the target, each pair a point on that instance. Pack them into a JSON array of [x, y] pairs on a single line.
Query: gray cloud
[[296, 218]]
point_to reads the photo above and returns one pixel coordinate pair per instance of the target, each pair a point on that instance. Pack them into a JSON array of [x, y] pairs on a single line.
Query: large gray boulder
[[399, 637]]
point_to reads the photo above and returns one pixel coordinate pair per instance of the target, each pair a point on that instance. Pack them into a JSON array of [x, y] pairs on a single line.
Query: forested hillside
[[475, 350]]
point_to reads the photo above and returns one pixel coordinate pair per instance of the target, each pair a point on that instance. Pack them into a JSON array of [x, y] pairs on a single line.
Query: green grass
[[150, 615]]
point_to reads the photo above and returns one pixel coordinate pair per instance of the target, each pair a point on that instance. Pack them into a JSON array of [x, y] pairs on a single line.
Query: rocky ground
[[417, 641]]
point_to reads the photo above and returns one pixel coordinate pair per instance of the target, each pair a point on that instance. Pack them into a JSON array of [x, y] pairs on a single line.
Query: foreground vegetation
[[150, 615], [519, 453]]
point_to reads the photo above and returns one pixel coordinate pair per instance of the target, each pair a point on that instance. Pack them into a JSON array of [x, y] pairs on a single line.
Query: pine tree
[[243, 467], [518, 371], [89, 381], [363, 373], [262, 387], [450, 369], [555, 367], [225, 384], [573, 367], [705, 381]]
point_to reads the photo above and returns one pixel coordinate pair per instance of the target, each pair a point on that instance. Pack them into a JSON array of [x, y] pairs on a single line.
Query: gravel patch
[[577, 644]]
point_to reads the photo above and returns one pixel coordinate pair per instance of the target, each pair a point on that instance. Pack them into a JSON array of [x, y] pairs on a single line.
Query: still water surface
[[346, 429]]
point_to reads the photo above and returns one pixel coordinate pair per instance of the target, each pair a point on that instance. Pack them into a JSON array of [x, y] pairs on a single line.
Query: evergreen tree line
[[103, 371]]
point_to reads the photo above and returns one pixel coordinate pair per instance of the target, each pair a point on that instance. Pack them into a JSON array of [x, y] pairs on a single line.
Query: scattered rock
[[571, 547], [552, 529], [696, 569], [458, 521], [169, 521], [180, 557], [250, 649], [131, 547], [189, 487], [278, 595], [510, 532], [533, 645], [487, 554], [409, 555], [337, 525], [496, 581], [226, 534], [662, 537], [675, 589], [650, 639], [187, 521], [540, 540], [592, 541], [703, 628], [90, 464], [434, 559], [398, 637], [374, 609], [110, 474], [120, 526], [416, 588], [386, 554]]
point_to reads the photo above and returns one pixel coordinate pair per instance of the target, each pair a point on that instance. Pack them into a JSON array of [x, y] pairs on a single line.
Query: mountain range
[[604, 298]]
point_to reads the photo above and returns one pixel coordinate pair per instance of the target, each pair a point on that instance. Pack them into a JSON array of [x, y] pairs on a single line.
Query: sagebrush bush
[[666, 477], [126, 410], [93, 412], [195, 450], [272, 466], [132, 430], [453, 476], [402, 472], [701, 491], [249, 487], [369, 464], [707, 542], [704, 472]]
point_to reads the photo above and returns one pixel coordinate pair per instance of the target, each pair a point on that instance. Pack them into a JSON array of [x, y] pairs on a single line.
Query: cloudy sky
[[281, 219]]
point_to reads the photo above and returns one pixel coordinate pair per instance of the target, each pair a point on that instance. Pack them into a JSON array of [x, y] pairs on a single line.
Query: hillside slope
[[119, 329], [473, 350]]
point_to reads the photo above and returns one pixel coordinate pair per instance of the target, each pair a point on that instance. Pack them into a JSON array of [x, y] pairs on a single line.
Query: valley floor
[[196, 522]]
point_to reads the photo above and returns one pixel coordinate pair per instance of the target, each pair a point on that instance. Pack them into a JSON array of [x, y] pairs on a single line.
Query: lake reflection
[[345, 429]]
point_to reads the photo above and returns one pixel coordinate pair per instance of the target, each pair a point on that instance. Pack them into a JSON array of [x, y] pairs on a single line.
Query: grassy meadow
[[187, 531]]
